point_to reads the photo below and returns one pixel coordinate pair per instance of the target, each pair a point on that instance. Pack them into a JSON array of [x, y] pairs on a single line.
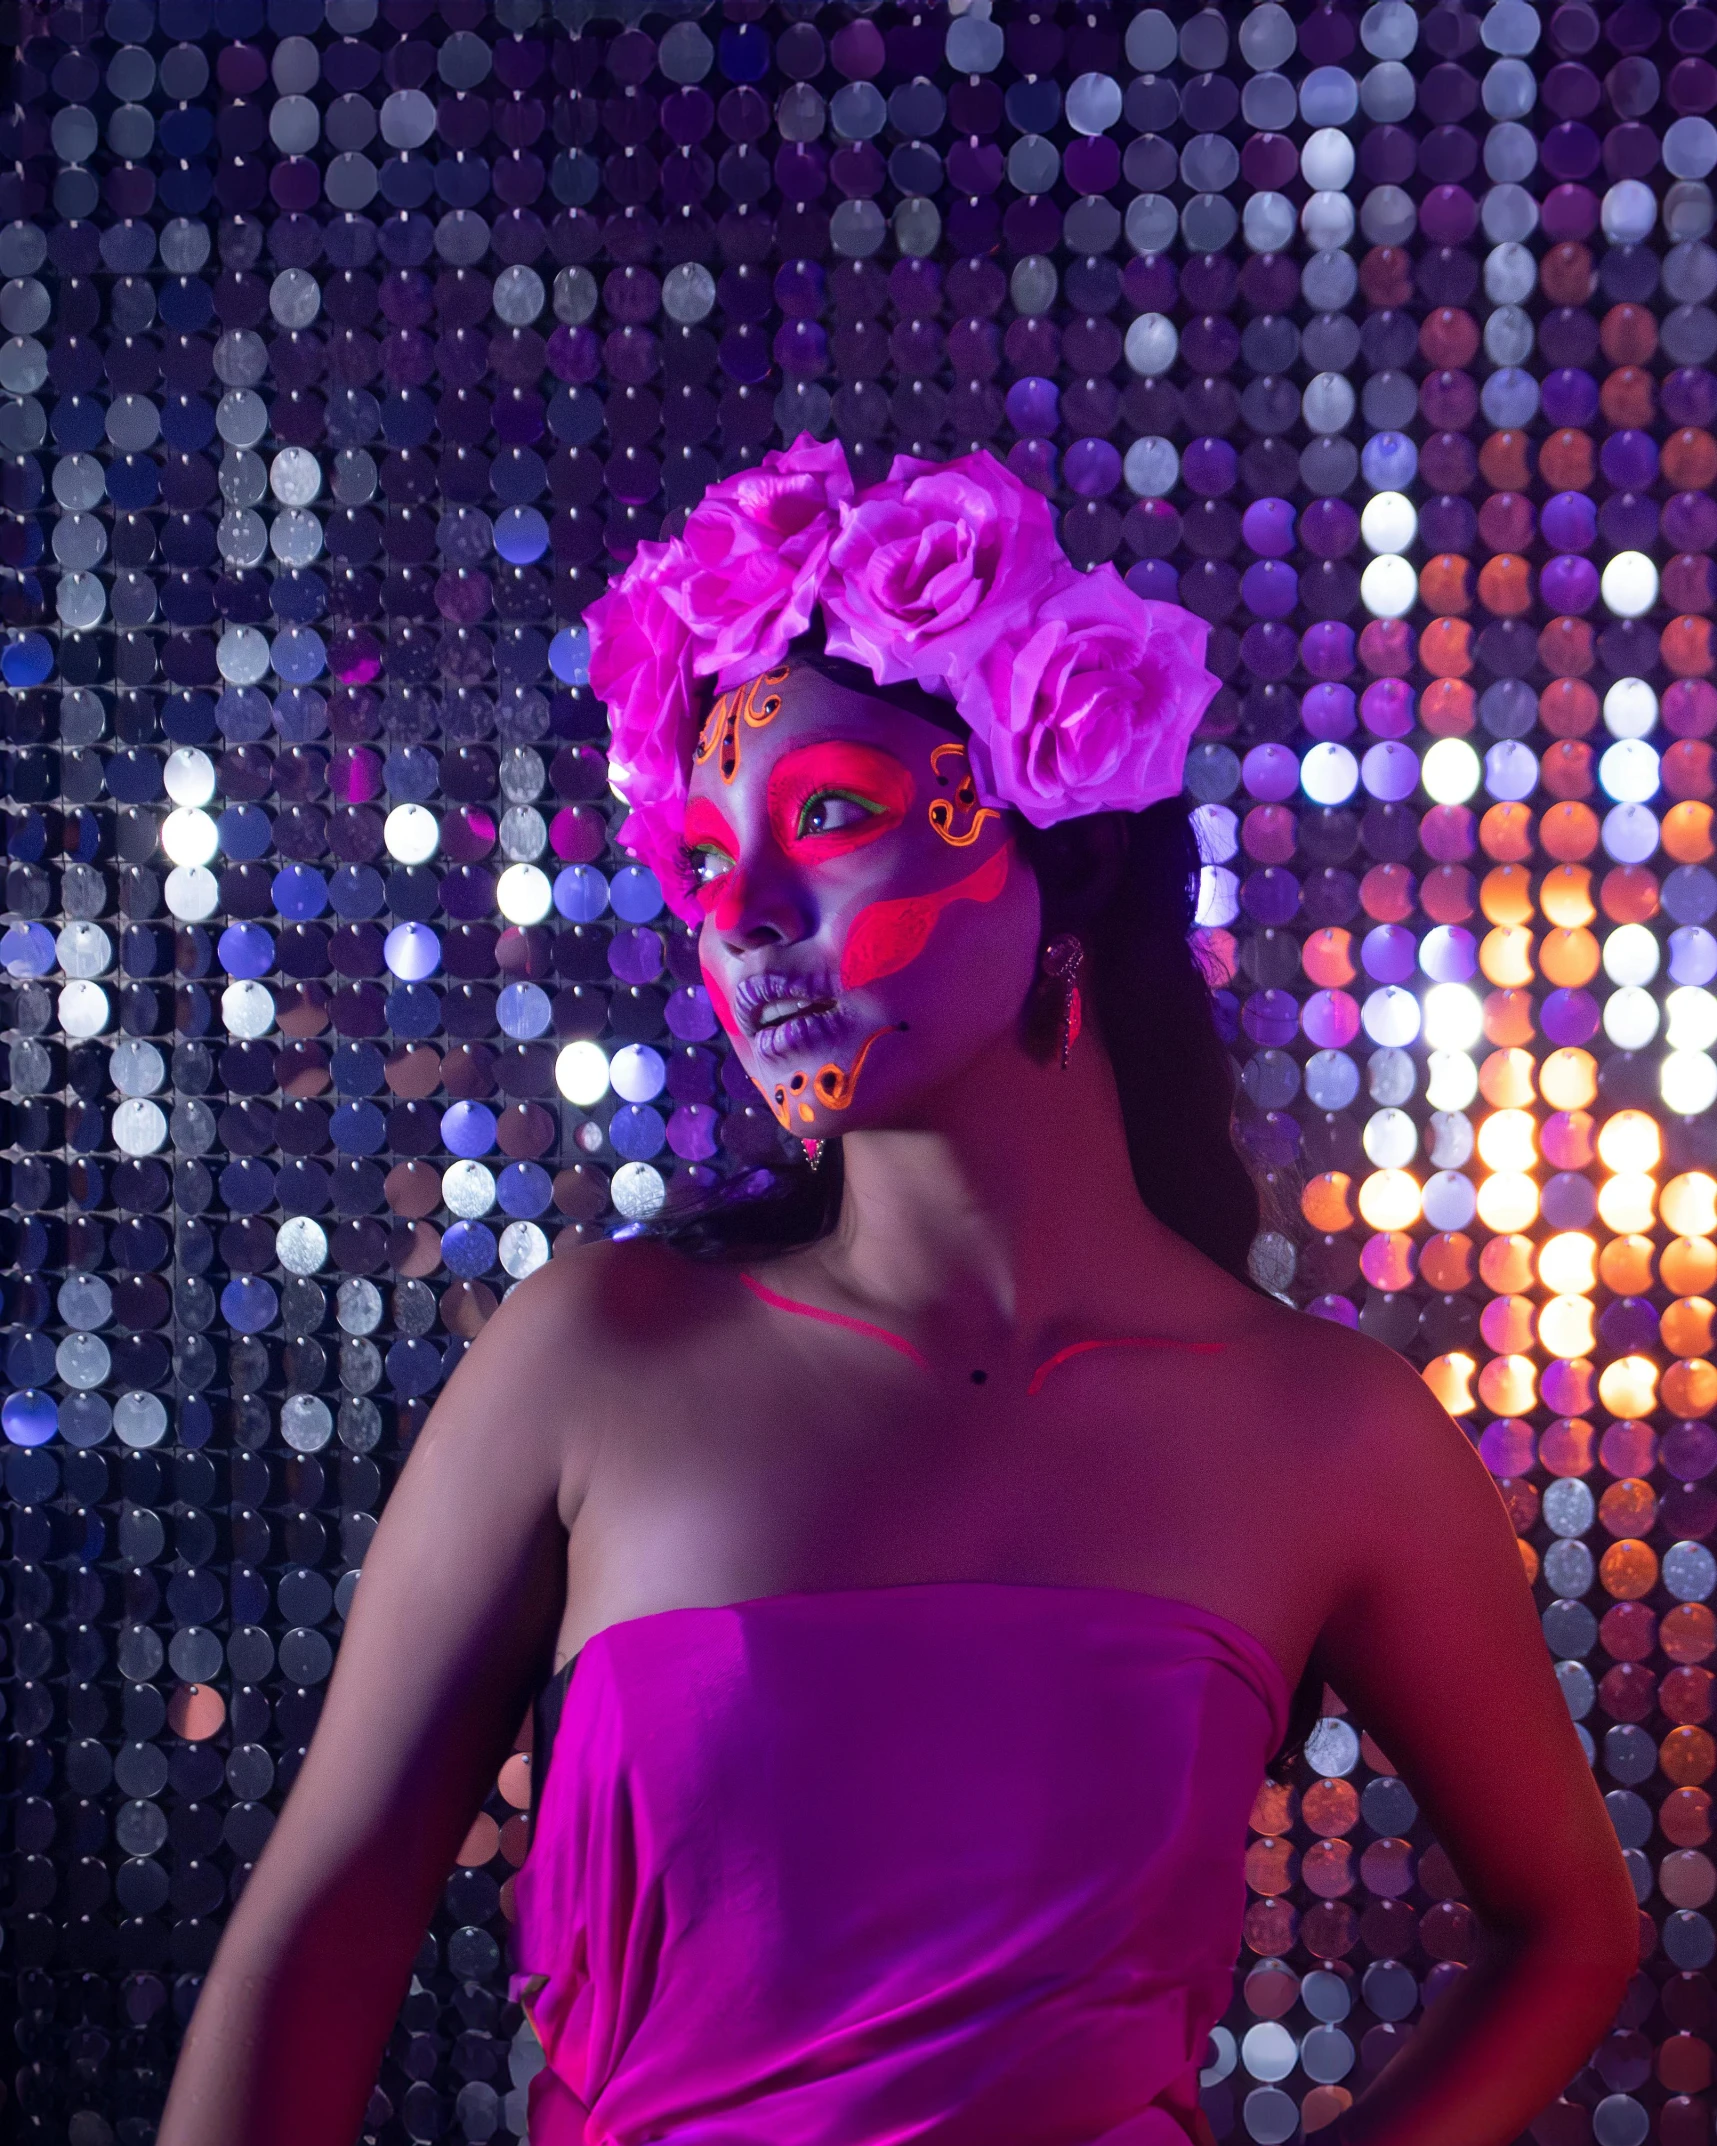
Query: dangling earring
[[1062, 959], [813, 1153]]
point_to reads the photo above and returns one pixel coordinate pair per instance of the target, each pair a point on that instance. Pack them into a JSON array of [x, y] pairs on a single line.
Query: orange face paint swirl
[[754, 702], [833, 1085], [951, 765]]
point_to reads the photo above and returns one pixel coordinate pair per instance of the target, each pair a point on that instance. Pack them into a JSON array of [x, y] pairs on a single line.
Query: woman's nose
[[761, 902]]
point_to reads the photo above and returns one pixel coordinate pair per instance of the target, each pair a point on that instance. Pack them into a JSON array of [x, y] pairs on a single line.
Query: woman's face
[[868, 927]]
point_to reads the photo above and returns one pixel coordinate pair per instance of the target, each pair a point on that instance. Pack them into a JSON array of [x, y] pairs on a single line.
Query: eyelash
[[689, 856], [849, 797], [690, 860]]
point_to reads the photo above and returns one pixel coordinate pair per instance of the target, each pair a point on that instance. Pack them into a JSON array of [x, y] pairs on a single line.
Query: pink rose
[[641, 667], [1092, 707], [1081, 696], [756, 551], [934, 562]]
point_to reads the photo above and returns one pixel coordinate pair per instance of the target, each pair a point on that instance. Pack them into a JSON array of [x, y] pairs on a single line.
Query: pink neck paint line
[[835, 1318], [906, 1349], [1124, 1341]]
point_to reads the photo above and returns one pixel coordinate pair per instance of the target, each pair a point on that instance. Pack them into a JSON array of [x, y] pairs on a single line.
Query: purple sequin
[[1569, 521]]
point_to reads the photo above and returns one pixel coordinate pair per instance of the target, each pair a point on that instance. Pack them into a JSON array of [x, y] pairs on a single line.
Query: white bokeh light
[[1218, 896], [412, 834], [1630, 709], [1690, 1019], [1452, 771], [1629, 585], [1389, 523], [581, 1074], [189, 836], [1689, 1083], [524, 894], [1329, 774], [1630, 1018], [1389, 588], [1454, 1021], [1631, 954], [1628, 771], [1451, 1077], [189, 776]]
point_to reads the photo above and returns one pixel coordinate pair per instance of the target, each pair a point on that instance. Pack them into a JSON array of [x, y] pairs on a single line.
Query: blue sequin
[[468, 1249], [27, 950], [357, 891], [1390, 461], [299, 892], [247, 1186], [524, 1189], [29, 1418], [28, 660], [249, 1304], [580, 893], [414, 1367], [637, 1132], [357, 1068], [246, 951], [413, 1011], [636, 894], [468, 1129], [358, 1129]]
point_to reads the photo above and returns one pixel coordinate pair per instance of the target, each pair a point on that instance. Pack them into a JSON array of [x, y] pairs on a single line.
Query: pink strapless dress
[[958, 1863]]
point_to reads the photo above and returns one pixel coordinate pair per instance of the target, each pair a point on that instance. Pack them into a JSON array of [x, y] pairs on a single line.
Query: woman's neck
[[1009, 1204]]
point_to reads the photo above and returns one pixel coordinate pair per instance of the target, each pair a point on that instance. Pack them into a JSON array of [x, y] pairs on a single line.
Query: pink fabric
[[957, 1863]]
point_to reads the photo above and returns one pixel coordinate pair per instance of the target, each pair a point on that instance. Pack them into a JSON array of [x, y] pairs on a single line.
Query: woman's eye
[[709, 865], [830, 811]]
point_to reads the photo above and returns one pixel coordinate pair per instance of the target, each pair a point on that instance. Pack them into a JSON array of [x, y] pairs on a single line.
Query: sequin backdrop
[[348, 348]]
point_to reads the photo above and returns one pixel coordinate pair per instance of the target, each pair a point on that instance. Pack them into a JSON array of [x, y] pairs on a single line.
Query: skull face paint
[[888, 935], [859, 946]]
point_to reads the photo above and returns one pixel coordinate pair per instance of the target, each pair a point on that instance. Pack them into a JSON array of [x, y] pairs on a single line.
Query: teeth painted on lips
[[778, 1010]]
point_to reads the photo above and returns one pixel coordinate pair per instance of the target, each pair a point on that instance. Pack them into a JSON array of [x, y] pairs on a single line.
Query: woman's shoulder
[[1338, 1385], [613, 1301], [595, 1341]]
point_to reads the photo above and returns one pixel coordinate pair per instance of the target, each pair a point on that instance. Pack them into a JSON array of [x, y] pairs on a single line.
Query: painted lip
[[800, 1035], [817, 1018]]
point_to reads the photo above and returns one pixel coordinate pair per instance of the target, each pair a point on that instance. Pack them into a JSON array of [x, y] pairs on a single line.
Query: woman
[[925, 1561]]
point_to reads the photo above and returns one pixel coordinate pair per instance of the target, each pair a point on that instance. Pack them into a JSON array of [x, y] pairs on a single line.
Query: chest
[[1118, 1475]]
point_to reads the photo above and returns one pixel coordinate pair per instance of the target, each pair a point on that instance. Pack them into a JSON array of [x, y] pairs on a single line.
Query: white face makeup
[[868, 926]]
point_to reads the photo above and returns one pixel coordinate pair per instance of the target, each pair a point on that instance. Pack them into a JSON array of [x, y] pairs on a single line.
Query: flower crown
[[1080, 696]]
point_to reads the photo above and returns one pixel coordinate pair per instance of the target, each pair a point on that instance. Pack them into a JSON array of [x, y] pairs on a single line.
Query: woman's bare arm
[[1437, 1650], [452, 1628]]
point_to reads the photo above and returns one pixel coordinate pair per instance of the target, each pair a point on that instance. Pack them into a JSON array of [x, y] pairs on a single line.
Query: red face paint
[[887, 935], [869, 778], [718, 999]]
